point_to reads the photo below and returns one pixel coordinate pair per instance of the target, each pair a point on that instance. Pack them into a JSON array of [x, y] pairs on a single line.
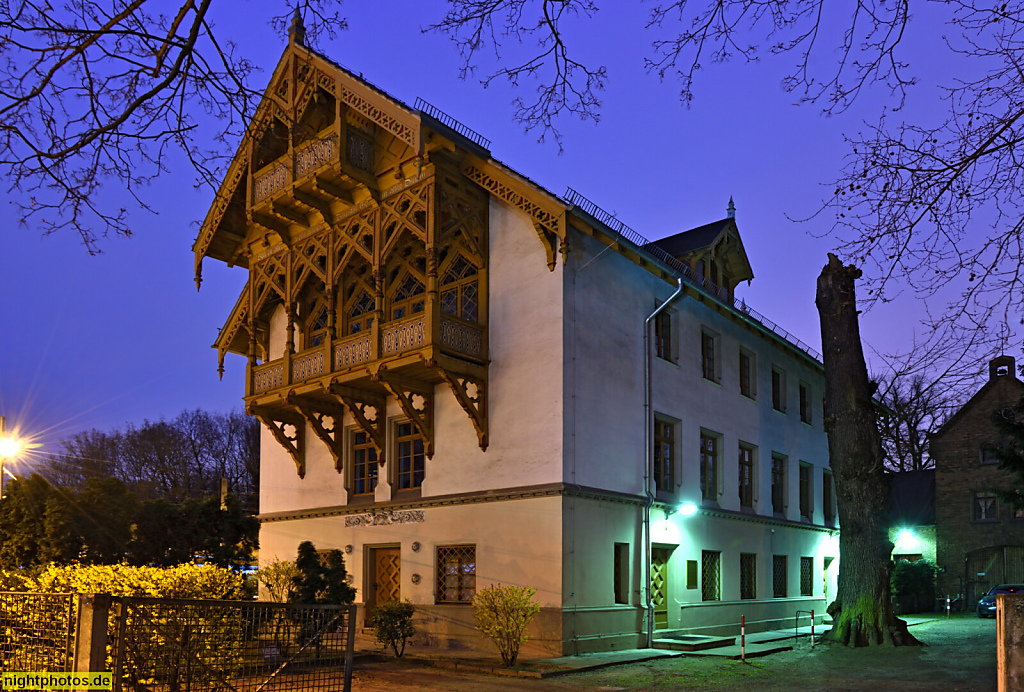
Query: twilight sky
[[98, 341]]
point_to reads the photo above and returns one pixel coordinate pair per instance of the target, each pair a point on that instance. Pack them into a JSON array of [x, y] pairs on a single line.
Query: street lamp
[[9, 447]]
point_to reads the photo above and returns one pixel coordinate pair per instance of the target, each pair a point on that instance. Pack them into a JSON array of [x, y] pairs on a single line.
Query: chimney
[[1001, 367]]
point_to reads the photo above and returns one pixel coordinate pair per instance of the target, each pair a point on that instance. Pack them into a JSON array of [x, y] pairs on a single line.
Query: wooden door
[[387, 575], [659, 587]]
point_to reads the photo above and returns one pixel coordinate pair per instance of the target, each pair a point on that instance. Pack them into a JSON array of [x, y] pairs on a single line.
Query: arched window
[[409, 298], [360, 313], [315, 325], [459, 290]]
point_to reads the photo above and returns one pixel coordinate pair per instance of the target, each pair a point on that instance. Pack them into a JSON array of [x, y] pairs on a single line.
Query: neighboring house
[[912, 528], [448, 362], [979, 541]]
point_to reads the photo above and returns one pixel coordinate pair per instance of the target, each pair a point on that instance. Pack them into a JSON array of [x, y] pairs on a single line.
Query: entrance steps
[[757, 643]]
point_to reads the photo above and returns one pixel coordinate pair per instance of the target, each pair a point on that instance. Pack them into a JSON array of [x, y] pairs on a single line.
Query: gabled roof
[[708, 236], [979, 396]]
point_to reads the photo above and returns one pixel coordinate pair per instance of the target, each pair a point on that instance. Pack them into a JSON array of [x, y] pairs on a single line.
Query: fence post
[[743, 638], [350, 645], [91, 633]]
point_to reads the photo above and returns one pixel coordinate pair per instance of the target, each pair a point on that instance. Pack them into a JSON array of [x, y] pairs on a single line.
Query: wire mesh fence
[[176, 645], [37, 631]]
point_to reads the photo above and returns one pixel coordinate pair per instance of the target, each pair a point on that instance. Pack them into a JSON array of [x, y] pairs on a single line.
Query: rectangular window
[[691, 574], [711, 575], [988, 455], [779, 390], [456, 573], [805, 403], [780, 576], [807, 576], [707, 356], [828, 501], [364, 464], [748, 575], [746, 470], [709, 467], [663, 335], [747, 374], [778, 484], [411, 458], [985, 507], [806, 491], [622, 572], [664, 456]]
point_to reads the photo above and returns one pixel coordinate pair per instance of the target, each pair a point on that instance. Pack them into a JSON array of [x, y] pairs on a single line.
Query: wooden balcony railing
[[308, 159], [340, 355]]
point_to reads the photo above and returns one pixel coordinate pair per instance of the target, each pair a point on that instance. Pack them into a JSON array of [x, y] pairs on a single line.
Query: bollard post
[[947, 606], [742, 639], [812, 628]]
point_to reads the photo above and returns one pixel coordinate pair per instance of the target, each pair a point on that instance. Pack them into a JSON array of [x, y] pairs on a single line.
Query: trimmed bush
[[181, 581], [504, 613], [392, 625], [913, 586]]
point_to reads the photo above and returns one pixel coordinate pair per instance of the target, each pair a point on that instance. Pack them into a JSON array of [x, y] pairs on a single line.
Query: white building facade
[[449, 364]]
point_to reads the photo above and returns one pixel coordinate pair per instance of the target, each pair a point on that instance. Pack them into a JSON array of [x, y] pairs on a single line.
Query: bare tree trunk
[[862, 611]]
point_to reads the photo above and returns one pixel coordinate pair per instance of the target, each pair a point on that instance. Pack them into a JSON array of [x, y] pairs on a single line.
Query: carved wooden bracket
[[288, 429], [417, 401], [550, 242], [471, 393], [325, 420], [368, 411]]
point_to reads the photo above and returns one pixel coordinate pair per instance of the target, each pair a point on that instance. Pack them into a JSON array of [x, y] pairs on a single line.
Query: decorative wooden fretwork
[[472, 397], [464, 338], [237, 322], [459, 292], [288, 428], [416, 400], [268, 279], [325, 421], [379, 116], [367, 410]]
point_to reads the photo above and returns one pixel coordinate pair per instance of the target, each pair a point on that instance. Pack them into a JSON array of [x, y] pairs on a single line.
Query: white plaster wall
[[517, 542], [607, 300]]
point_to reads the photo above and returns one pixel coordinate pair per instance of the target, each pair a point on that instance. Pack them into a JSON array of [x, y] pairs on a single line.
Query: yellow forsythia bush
[[504, 613], [181, 581]]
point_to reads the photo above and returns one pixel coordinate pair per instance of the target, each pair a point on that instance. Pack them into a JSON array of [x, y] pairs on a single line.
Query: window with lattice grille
[[411, 459], [364, 464], [748, 575], [459, 290], [780, 576], [456, 573], [807, 576], [315, 328], [711, 575]]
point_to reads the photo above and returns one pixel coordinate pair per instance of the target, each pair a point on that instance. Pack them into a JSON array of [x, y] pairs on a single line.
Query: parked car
[[987, 604]]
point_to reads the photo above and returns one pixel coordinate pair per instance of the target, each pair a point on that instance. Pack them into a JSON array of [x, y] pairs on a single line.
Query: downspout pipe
[[649, 458]]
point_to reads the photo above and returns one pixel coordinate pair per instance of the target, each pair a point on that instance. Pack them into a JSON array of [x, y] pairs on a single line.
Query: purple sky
[[98, 341]]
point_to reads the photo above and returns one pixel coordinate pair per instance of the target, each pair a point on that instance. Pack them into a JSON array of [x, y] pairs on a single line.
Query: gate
[[37, 631], [164, 645]]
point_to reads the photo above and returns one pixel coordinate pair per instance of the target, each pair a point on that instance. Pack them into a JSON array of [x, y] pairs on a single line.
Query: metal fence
[[37, 631], [167, 645]]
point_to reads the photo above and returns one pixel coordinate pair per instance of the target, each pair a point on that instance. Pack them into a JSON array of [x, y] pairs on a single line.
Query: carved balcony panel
[[268, 376], [308, 364], [274, 178], [353, 351], [462, 337], [405, 335], [314, 156]]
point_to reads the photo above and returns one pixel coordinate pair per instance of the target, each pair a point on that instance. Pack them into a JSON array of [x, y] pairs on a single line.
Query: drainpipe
[[649, 459]]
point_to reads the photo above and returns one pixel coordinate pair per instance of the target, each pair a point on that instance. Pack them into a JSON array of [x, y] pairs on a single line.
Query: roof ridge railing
[[612, 222], [448, 121]]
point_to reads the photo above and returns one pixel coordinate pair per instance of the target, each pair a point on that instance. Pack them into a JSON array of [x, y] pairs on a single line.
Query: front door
[[659, 586], [386, 576]]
